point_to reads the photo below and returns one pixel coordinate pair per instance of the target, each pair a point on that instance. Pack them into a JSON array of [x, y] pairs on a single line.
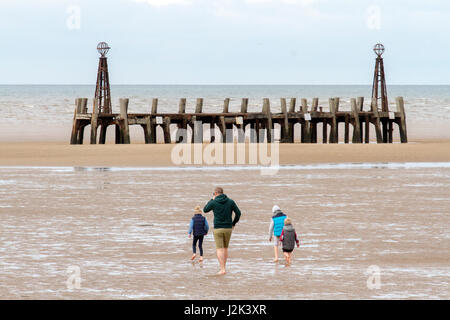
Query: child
[[288, 238], [199, 226], [276, 227]]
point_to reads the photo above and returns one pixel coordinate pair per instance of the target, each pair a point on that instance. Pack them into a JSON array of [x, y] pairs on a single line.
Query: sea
[[45, 112]]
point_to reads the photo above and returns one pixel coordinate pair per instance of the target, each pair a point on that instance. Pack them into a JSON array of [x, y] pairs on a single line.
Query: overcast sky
[[224, 41]]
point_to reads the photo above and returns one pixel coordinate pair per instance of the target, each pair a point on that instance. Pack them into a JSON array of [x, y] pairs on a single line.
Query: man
[[223, 208]]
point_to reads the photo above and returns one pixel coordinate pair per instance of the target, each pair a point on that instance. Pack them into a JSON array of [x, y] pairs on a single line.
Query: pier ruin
[[260, 125]]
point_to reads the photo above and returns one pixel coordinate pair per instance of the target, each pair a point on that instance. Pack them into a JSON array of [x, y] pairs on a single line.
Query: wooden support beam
[[268, 124], [384, 126], [333, 130], [103, 127], [360, 103], [119, 139], [367, 129], [226, 105], [313, 125], [197, 126], [222, 128], [390, 130], [291, 132], [241, 127], [75, 123], [153, 126], [124, 120], [324, 130], [199, 105], [80, 134], [257, 127], [376, 120], [285, 136], [292, 103], [402, 122], [182, 105], [147, 130], [306, 128], [181, 134], [336, 104], [357, 137], [347, 128], [244, 105], [166, 129], [94, 122], [212, 131]]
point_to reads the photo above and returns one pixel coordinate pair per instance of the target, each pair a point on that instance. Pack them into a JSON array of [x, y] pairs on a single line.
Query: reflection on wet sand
[[126, 229]]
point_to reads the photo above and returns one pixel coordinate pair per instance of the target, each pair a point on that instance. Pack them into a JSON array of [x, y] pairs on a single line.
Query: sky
[[224, 41]]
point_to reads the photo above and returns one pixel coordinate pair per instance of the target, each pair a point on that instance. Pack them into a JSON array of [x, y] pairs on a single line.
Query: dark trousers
[[200, 244]]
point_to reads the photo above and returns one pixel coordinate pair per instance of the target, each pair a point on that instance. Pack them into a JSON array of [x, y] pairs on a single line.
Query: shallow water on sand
[[127, 232]]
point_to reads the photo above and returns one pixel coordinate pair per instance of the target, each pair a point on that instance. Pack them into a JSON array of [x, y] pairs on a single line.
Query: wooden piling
[[291, 124], [197, 128], [376, 121], [306, 130], [402, 121], [166, 129], [357, 137], [94, 123], [367, 129], [125, 132], [260, 122], [102, 138], [226, 105], [75, 123], [313, 123], [268, 125], [181, 134], [360, 103], [333, 130], [285, 134], [347, 128], [241, 127], [153, 126]]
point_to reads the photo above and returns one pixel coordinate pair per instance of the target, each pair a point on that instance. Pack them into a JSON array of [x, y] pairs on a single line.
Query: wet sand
[[141, 155], [126, 229]]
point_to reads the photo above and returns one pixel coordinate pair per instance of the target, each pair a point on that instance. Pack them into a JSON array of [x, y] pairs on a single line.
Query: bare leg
[[221, 258], [275, 250], [225, 258]]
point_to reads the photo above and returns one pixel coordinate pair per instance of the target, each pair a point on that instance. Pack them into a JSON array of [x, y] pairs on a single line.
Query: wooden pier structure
[[260, 125]]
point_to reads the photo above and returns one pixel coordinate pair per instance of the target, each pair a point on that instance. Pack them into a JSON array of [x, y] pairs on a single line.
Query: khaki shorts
[[222, 237]]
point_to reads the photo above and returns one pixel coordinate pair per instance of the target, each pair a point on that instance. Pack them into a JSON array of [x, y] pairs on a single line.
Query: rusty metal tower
[[379, 82], [102, 91]]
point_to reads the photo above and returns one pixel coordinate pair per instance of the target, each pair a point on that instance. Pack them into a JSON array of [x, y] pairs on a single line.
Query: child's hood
[[289, 227]]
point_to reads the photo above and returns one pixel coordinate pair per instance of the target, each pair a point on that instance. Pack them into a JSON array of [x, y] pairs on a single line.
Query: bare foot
[[221, 272], [193, 256], [201, 259], [275, 260]]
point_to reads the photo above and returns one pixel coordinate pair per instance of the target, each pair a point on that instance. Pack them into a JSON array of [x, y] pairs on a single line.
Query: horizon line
[[216, 84]]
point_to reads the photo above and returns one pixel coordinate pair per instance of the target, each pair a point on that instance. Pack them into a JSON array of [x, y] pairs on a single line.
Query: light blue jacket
[[277, 223]]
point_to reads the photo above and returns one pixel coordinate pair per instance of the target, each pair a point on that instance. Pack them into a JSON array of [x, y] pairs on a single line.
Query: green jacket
[[223, 207]]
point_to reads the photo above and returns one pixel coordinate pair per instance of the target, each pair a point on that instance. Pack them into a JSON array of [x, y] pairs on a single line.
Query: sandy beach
[[125, 231], [141, 155], [118, 215]]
